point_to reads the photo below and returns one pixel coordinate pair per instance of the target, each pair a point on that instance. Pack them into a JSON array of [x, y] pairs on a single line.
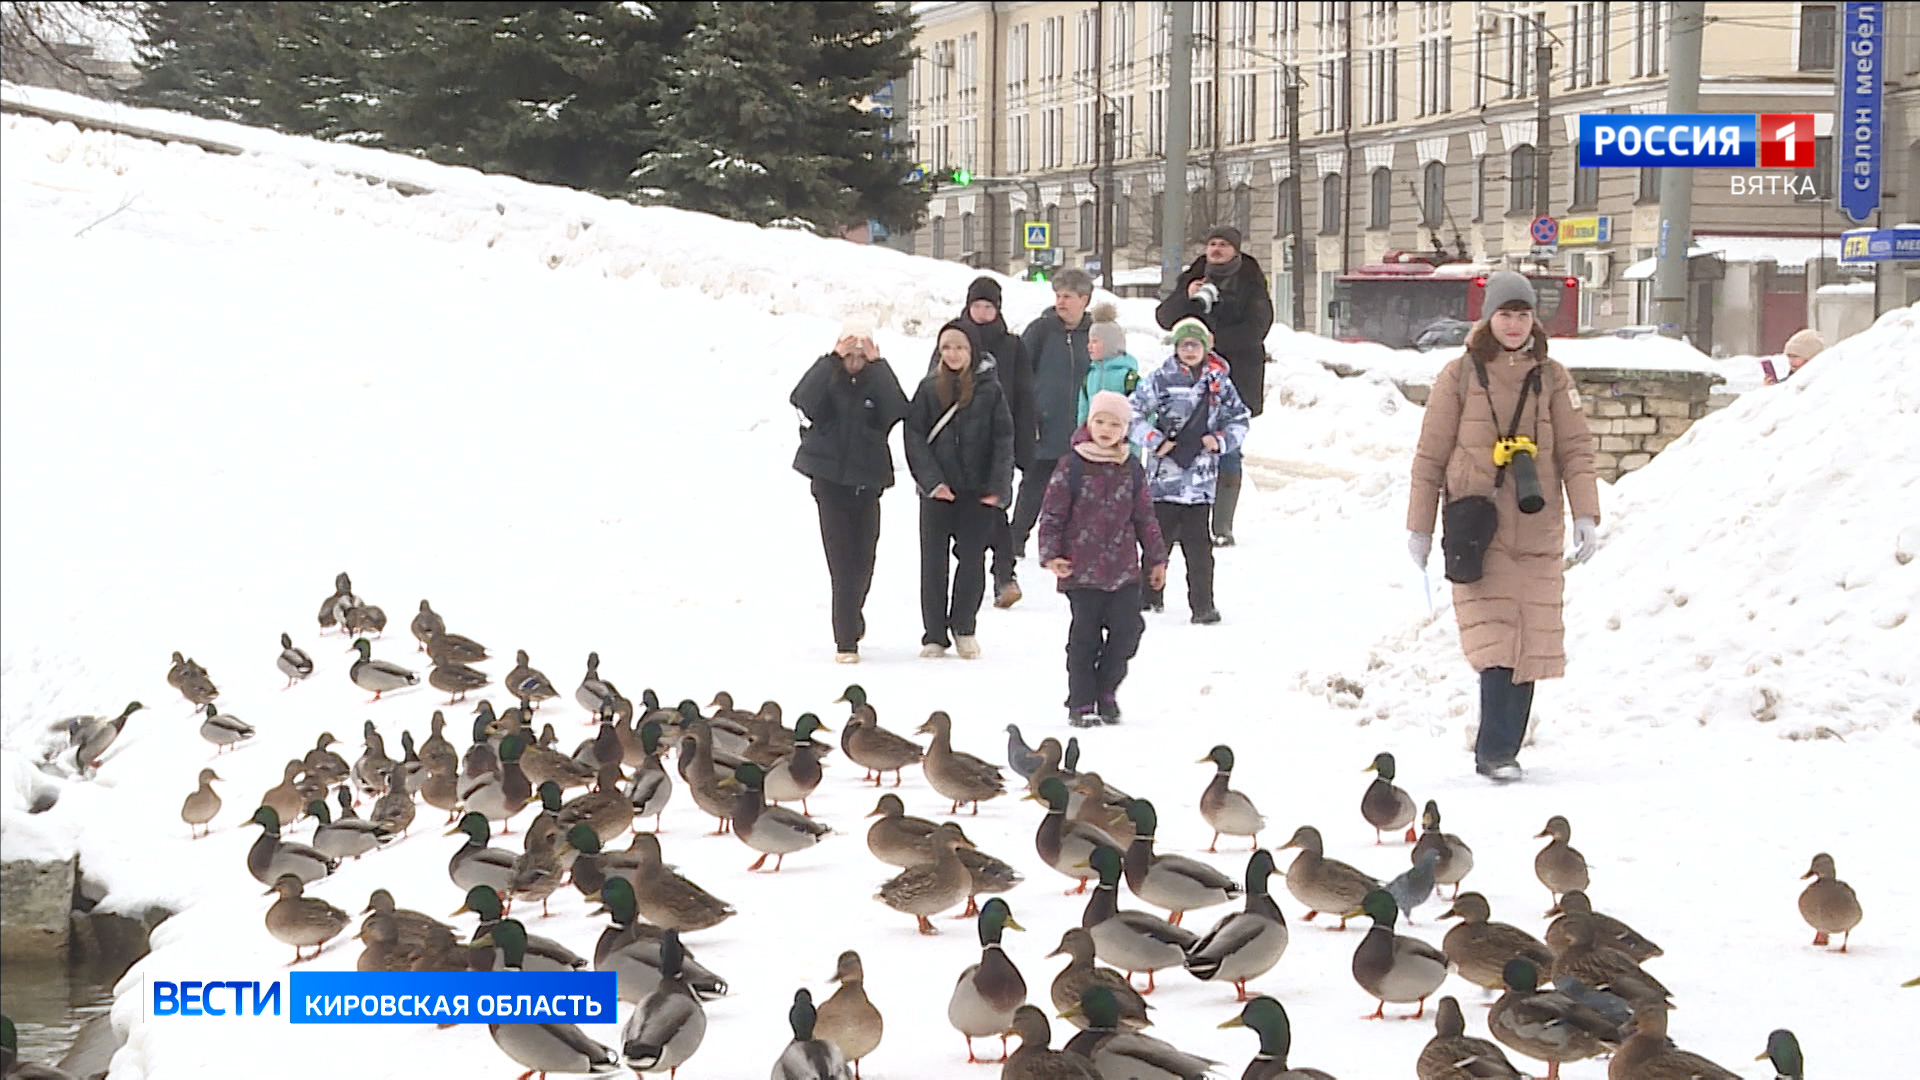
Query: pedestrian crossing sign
[[1039, 235]]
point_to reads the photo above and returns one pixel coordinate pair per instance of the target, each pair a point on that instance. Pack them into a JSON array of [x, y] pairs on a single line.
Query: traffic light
[[1038, 273], [960, 176]]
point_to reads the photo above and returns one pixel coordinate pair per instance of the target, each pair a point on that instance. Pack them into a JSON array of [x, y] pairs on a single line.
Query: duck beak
[[1233, 1023], [1367, 769], [1070, 1012], [1029, 797], [1204, 761], [1806, 875], [1451, 913], [823, 729], [1556, 909], [1761, 1056], [461, 910], [1011, 925], [1083, 864], [1540, 835]]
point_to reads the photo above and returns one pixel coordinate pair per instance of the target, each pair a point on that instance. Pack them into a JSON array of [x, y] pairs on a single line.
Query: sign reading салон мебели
[[1862, 58], [396, 997]]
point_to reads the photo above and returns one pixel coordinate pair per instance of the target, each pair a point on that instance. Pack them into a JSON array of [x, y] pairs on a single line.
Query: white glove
[[1420, 545], [1586, 539]]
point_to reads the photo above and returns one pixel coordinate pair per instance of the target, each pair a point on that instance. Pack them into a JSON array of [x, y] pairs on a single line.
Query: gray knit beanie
[[1506, 287], [1106, 330]]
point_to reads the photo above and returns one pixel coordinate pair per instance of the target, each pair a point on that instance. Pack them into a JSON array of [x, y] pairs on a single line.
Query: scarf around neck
[[1116, 454]]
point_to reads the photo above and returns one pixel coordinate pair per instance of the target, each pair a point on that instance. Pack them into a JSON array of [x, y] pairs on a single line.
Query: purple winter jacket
[[1107, 529]]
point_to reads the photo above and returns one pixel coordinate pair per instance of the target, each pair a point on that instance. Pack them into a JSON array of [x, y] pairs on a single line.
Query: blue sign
[[1039, 235], [453, 997], [1545, 231], [1862, 58], [1680, 141], [1859, 246]]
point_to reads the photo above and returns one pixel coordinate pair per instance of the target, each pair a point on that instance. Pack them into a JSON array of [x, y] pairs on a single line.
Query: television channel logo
[[1696, 140]]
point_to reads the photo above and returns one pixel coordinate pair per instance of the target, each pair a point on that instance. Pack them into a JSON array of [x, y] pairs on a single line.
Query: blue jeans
[[1504, 708]]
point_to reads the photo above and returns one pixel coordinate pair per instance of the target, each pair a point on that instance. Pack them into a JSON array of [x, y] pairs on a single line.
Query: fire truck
[[1429, 300]]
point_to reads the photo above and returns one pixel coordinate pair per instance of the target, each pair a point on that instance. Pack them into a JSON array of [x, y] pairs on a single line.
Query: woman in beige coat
[[1510, 625]]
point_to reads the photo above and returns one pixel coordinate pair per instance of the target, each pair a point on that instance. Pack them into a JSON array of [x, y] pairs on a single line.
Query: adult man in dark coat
[[1228, 291]]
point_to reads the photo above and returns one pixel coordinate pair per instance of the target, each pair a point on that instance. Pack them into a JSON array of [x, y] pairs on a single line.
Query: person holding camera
[[1187, 415], [1505, 447], [850, 400], [1227, 290], [959, 436]]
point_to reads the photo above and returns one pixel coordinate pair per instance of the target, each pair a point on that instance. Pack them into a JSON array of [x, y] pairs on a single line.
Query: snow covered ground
[[564, 421]]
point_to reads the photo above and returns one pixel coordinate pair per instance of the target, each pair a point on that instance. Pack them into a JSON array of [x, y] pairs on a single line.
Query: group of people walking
[[1120, 465]]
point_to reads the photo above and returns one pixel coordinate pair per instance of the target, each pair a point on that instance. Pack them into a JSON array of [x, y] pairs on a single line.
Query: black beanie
[[1228, 233], [984, 288]]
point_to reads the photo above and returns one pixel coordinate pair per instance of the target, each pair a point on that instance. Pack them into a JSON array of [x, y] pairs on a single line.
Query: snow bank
[[1765, 568]]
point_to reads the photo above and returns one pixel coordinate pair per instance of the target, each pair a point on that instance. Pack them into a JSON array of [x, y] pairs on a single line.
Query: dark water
[[49, 1002]]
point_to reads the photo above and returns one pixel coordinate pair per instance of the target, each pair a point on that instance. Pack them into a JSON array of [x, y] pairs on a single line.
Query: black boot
[[1226, 499]]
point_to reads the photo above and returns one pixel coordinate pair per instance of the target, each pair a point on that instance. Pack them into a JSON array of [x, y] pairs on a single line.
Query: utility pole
[[1346, 137], [1294, 201], [1109, 131], [1173, 217], [1542, 119], [1670, 283]]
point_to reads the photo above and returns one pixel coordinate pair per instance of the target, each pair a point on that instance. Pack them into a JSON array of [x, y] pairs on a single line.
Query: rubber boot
[[1226, 499]]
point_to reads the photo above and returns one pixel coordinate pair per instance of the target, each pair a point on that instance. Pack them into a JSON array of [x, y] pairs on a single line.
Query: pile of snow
[[1765, 568]]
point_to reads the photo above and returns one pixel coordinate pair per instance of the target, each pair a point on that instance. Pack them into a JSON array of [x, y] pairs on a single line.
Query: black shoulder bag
[[1468, 524]]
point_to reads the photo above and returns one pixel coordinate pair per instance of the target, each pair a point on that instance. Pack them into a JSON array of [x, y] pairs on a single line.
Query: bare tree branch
[[109, 215], [55, 44]]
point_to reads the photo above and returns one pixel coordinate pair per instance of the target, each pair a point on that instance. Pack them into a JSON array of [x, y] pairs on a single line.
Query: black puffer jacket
[[848, 418], [973, 453], [1239, 321], [1015, 372]]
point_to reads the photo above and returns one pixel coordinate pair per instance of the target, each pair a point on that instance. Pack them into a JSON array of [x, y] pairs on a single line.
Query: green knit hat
[[1192, 329]]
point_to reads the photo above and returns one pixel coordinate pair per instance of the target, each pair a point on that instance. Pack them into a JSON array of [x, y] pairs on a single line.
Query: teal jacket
[[1119, 374]]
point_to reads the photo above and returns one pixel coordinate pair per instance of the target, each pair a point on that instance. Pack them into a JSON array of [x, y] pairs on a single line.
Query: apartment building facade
[[1419, 126]]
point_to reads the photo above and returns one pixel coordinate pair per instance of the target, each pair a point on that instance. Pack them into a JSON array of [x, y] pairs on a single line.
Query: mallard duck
[[411, 928], [605, 808], [1248, 943], [876, 749], [539, 870], [286, 798], [668, 1025], [382, 949], [13, 1068], [847, 1019], [1093, 802], [631, 948], [294, 663], [542, 763], [1828, 905], [808, 1058], [1268, 1019], [1066, 846], [594, 692], [899, 839], [1387, 807], [1225, 810], [1602, 967], [794, 775], [543, 1048], [446, 648], [436, 752], [369, 771], [1128, 1054], [202, 804], [363, 619], [541, 954], [1081, 972], [476, 863], [456, 680], [182, 669], [1021, 758], [348, 838], [1394, 967], [985, 875], [92, 736], [1321, 883], [499, 796], [270, 857], [1548, 1025], [322, 764], [1648, 1054], [378, 676], [1174, 882], [1783, 1052], [1129, 940], [1479, 949], [302, 921], [1035, 1060], [1456, 858], [1558, 865], [1051, 756], [1452, 1054], [337, 604], [528, 683], [958, 776], [696, 768], [224, 730], [198, 689], [426, 624], [652, 786], [933, 887], [441, 790], [665, 899], [606, 747], [987, 993], [1611, 930], [769, 830]]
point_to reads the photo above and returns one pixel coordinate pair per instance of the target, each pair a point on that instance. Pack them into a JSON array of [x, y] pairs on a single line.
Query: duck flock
[[1581, 992]]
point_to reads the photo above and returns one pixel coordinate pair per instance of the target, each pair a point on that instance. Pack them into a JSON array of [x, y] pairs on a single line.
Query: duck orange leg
[[927, 928], [1377, 1014], [1411, 835]]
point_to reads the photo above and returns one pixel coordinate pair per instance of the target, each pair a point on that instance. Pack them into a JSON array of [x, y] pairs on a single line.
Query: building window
[[966, 234], [1433, 200], [1330, 205], [1380, 199], [1480, 188], [1242, 209], [1650, 26], [1822, 172], [1479, 71], [1283, 223], [1199, 215], [1819, 33], [1122, 220], [1157, 121], [1520, 180], [1586, 189], [1587, 43], [1089, 226], [1156, 227], [1242, 106], [1017, 60], [939, 238], [1517, 42], [1649, 191]]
